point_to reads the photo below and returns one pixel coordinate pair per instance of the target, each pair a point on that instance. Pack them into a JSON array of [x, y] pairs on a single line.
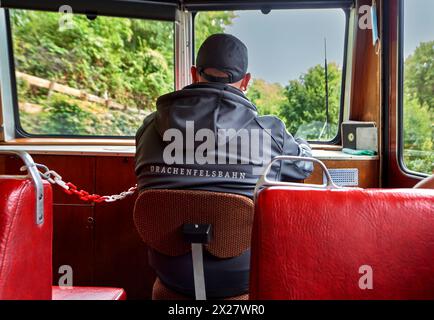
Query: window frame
[[337, 140], [400, 105], [165, 10], [18, 129]]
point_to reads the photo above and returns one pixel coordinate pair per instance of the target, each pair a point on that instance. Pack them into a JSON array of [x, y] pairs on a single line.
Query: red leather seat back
[[25, 247], [310, 244]]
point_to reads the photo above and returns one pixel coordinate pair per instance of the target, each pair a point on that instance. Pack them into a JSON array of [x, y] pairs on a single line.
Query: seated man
[[208, 136]]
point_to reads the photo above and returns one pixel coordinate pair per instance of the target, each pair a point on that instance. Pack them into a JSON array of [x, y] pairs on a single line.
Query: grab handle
[[263, 181], [36, 179]]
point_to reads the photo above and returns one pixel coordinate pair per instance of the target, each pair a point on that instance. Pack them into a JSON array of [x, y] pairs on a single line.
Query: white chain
[[50, 175], [120, 196]]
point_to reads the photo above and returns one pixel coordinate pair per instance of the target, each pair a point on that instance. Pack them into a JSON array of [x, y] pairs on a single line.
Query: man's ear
[[194, 74], [245, 81]]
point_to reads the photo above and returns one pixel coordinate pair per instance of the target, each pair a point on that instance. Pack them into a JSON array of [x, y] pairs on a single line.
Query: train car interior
[[353, 78]]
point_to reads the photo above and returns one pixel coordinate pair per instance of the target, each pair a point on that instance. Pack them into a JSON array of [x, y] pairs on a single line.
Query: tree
[[208, 23], [418, 136], [128, 60], [306, 104], [66, 117], [419, 74], [418, 109], [268, 97]]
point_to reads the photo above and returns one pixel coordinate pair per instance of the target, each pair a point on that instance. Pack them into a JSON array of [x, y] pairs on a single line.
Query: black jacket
[[216, 107]]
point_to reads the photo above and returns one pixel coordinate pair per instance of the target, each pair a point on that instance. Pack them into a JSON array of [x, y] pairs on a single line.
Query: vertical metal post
[[198, 271], [37, 181], [183, 49], [6, 80]]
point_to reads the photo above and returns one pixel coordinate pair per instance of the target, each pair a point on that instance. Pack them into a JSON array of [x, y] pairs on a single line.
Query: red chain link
[[83, 195]]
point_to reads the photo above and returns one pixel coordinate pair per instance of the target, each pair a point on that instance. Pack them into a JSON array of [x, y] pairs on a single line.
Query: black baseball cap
[[225, 53]]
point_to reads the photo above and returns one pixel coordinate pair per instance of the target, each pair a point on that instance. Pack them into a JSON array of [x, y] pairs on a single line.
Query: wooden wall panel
[[2, 165], [76, 169], [368, 172], [120, 255], [366, 82], [73, 242]]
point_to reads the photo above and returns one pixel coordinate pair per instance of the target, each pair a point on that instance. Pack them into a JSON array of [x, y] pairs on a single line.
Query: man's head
[[222, 58]]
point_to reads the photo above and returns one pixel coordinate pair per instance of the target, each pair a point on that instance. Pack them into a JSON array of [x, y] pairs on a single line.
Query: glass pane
[[92, 77], [287, 63], [418, 95]]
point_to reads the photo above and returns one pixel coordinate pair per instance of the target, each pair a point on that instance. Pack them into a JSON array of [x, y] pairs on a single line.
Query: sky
[[285, 43], [418, 23]]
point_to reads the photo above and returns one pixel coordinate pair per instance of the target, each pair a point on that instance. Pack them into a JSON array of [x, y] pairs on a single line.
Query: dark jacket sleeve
[[295, 170], [146, 122], [141, 146]]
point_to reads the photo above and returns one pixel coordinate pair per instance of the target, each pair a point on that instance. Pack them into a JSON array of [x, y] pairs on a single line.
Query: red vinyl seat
[[88, 293], [316, 244], [26, 248]]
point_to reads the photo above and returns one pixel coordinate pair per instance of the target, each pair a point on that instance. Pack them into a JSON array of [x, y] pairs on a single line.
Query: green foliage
[[306, 104], [267, 97], [419, 74], [208, 23], [66, 117], [130, 60], [418, 109], [301, 105]]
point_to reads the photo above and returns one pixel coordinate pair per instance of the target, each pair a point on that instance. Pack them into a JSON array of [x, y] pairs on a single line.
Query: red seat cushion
[[310, 244], [25, 247], [88, 293]]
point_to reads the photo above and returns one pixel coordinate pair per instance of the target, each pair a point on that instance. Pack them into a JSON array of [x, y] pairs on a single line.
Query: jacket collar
[[216, 85]]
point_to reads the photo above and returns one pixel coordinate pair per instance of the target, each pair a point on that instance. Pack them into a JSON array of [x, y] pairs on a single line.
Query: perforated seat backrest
[[25, 247], [160, 214], [323, 244]]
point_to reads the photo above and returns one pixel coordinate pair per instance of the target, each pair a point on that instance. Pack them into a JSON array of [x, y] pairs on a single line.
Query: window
[[418, 86], [99, 76], [287, 62]]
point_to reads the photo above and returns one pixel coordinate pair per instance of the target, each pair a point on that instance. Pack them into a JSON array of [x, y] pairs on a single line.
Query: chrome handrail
[[36, 179], [263, 181]]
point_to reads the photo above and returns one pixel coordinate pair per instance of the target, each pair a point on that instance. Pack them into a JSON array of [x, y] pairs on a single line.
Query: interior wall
[[366, 81]]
